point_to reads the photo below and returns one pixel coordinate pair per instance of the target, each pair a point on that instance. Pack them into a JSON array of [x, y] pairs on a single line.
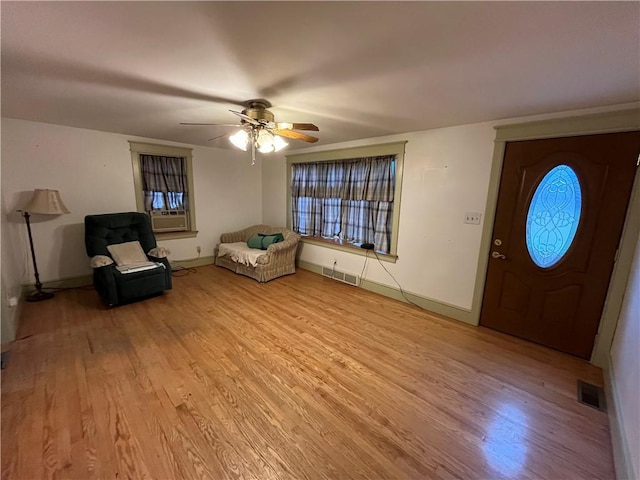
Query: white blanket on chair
[[240, 252]]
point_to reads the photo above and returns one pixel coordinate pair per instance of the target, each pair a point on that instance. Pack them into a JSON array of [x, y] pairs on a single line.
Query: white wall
[[274, 190], [13, 268], [93, 172], [10, 286], [625, 365], [446, 173]]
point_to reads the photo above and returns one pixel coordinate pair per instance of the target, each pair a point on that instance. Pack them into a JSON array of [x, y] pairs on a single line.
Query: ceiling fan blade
[[296, 135], [219, 136], [296, 126], [246, 118], [213, 124]]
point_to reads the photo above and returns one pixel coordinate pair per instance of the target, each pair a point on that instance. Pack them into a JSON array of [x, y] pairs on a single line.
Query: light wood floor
[[302, 377]]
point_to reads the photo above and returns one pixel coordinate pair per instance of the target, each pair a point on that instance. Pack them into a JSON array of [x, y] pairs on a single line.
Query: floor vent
[[591, 395], [341, 276]]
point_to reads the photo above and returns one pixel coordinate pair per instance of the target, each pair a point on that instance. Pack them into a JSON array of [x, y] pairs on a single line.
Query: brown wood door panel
[[559, 306]]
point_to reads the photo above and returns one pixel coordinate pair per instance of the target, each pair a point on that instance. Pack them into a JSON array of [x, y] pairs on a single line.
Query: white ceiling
[[355, 69]]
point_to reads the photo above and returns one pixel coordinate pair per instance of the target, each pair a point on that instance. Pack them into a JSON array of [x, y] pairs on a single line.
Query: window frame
[[395, 148], [141, 148]]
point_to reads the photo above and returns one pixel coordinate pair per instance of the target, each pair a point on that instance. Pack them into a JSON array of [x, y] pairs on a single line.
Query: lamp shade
[[46, 202], [240, 139], [278, 143], [264, 142]]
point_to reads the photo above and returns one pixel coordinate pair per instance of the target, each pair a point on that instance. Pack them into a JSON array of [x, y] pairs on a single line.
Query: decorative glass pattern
[[553, 217]]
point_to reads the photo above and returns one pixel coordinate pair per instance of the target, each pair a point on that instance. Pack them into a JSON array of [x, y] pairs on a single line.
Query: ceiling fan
[[260, 132]]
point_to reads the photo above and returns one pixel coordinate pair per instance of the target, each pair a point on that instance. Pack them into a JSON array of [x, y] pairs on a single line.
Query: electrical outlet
[[198, 249], [472, 218]]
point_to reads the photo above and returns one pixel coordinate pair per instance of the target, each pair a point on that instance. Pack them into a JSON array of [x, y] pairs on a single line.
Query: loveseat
[[262, 265]]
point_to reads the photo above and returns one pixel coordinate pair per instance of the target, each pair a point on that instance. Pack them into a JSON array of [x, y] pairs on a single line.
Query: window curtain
[[164, 183], [351, 200]]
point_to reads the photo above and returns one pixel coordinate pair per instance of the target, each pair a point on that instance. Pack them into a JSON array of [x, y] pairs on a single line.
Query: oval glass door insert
[[553, 216]]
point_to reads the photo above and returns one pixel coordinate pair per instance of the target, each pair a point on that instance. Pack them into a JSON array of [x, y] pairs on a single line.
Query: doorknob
[[498, 255]]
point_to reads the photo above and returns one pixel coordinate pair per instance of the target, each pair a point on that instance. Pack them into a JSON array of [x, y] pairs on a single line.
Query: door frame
[[605, 122]]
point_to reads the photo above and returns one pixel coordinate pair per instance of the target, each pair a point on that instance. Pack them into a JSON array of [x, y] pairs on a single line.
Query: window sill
[[347, 247], [174, 235]]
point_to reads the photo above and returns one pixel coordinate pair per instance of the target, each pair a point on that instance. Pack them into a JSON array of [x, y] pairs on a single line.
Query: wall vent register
[[341, 276]]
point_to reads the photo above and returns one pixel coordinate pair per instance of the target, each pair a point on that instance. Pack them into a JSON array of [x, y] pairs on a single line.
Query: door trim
[[606, 122]]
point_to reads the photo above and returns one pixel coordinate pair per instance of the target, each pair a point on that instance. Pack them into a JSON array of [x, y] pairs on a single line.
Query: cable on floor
[[179, 271], [397, 283], [366, 259]]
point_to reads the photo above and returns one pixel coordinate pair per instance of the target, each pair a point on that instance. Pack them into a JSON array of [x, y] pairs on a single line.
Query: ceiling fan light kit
[[268, 142], [260, 132], [240, 139]]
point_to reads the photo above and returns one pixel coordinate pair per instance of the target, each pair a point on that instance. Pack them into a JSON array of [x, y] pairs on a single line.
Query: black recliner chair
[[115, 287]]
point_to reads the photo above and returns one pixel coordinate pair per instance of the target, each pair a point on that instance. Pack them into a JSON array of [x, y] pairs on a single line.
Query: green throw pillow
[[262, 240]]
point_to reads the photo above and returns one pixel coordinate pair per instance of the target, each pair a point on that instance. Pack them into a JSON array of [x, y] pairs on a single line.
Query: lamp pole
[[44, 202], [39, 294]]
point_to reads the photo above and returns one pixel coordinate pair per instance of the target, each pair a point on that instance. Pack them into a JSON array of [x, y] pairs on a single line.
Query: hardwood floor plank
[[451, 401], [299, 378], [273, 396], [296, 370]]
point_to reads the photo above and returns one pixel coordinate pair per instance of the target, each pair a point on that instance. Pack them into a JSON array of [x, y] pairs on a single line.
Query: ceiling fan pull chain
[[253, 148]]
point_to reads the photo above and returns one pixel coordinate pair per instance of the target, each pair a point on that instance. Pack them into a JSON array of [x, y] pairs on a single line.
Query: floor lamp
[[43, 202]]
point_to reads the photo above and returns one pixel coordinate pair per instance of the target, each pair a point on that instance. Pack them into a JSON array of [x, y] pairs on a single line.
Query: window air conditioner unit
[[169, 221]]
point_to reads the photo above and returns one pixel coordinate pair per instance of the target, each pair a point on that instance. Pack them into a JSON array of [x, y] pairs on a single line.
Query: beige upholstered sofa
[[277, 260]]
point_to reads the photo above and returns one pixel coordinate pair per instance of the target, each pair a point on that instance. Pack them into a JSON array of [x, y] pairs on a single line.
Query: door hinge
[[638, 161], [615, 257]]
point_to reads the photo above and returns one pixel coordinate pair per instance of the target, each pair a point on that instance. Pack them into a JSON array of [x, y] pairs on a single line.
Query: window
[[344, 198], [553, 217], [163, 182]]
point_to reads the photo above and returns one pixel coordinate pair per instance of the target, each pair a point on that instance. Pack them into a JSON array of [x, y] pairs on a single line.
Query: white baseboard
[[194, 262], [68, 282], [621, 452], [441, 308]]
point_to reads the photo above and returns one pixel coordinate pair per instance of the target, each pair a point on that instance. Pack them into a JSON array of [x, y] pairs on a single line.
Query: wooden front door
[[561, 208]]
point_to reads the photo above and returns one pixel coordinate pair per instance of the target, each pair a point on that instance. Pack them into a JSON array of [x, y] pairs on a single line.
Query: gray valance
[[369, 178]]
